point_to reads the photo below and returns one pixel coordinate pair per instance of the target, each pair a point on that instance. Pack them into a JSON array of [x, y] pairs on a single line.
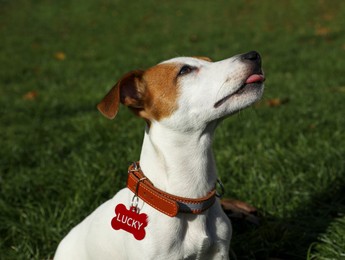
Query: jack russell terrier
[[169, 208]]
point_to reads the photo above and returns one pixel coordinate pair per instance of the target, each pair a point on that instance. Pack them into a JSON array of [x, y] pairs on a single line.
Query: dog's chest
[[199, 240], [201, 247], [186, 238]]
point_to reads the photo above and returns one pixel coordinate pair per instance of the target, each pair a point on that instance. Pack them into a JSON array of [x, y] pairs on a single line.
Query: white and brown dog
[[182, 100]]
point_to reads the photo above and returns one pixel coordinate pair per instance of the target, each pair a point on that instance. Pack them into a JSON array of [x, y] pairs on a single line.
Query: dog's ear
[[128, 90], [203, 58]]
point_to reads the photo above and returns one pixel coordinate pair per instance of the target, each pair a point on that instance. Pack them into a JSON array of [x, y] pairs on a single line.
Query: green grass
[[59, 158]]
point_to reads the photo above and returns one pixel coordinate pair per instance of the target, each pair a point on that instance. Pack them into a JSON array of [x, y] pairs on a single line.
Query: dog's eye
[[185, 70]]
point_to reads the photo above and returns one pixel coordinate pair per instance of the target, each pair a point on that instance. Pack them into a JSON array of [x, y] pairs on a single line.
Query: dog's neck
[[179, 163]]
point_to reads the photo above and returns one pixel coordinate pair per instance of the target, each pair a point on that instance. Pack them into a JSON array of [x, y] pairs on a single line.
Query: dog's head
[[187, 93]]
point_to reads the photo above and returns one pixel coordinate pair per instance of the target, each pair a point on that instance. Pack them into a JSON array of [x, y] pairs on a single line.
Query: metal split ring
[[135, 199], [222, 189]]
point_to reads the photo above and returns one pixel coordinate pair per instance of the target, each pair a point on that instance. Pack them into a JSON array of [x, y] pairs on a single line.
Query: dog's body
[[182, 101]]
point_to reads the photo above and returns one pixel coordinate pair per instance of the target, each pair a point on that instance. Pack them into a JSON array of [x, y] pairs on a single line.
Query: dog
[[169, 209]]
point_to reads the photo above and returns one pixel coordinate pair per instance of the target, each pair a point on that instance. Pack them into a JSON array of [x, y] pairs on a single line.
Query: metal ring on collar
[[222, 189]]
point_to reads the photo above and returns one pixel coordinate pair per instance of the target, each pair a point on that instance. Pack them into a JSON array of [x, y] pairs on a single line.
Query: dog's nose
[[253, 56]]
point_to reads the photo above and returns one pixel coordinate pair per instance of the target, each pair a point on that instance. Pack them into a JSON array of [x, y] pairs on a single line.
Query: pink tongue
[[255, 78]]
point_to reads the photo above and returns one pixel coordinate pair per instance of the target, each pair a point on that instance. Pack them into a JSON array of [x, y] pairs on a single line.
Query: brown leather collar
[[164, 202]]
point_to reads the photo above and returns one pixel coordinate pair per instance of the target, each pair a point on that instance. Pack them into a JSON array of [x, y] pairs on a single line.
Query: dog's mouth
[[252, 82]]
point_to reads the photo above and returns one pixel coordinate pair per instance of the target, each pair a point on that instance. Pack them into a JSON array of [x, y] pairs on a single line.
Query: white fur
[[177, 157]]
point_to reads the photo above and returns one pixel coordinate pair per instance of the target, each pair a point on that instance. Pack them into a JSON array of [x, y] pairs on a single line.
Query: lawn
[[60, 159]]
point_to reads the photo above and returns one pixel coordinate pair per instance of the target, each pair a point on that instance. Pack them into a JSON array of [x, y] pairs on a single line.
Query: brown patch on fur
[[161, 91], [150, 94], [126, 90]]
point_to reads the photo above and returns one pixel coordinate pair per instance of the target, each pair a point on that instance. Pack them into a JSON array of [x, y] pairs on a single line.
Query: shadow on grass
[[293, 237]]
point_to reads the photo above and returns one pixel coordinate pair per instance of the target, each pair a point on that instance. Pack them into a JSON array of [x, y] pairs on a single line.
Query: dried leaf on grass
[[312, 126], [236, 209], [60, 55], [231, 204], [31, 95], [329, 16], [275, 102], [338, 89], [322, 31]]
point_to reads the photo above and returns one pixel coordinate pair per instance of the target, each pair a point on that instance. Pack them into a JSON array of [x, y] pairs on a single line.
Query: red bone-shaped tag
[[130, 221]]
